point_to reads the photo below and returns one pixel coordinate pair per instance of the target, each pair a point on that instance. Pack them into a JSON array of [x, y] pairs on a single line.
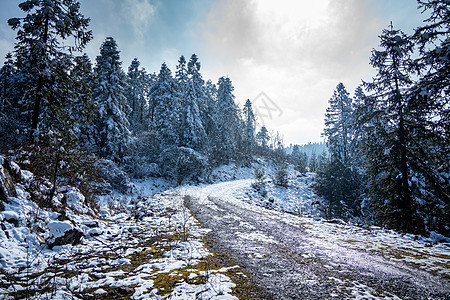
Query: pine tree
[[10, 117], [389, 131], [299, 159], [165, 109], [83, 78], [249, 130], [181, 76], [193, 132], [433, 64], [210, 124], [339, 181], [136, 93], [429, 99], [41, 54], [109, 94], [228, 122], [6, 83], [338, 120], [313, 164], [263, 137], [197, 82]]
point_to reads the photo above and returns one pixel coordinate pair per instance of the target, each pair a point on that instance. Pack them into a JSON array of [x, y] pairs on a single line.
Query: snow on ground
[[384, 248], [421, 252], [149, 246], [145, 246]]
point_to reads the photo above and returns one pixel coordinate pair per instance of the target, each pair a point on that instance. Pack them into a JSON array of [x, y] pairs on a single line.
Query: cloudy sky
[[287, 56]]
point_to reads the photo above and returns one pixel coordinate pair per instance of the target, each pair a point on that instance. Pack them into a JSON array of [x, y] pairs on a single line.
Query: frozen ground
[[145, 246], [216, 241], [297, 257]]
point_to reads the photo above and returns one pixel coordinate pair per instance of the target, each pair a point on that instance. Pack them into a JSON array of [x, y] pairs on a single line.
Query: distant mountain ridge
[[309, 149]]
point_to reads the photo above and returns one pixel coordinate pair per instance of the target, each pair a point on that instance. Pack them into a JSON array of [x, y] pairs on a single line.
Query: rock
[[7, 184], [125, 290], [63, 233], [90, 224], [59, 228], [72, 236], [11, 217], [95, 232]]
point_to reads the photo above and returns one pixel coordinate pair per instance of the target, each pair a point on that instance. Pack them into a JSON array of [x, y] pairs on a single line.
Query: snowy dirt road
[[293, 257]]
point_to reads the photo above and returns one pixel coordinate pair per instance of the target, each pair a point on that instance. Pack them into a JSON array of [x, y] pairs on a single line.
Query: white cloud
[[139, 13], [294, 51]]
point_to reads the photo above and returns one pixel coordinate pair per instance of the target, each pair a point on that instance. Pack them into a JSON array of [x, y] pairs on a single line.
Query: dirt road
[[292, 263]]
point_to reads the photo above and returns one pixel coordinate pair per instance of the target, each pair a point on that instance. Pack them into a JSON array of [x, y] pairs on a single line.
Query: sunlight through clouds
[[294, 51]]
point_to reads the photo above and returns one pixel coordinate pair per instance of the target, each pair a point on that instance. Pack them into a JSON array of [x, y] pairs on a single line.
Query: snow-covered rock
[[63, 233], [10, 215], [59, 228]]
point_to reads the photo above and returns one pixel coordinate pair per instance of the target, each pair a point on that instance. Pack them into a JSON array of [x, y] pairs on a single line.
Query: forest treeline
[[66, 118], [62, 114]]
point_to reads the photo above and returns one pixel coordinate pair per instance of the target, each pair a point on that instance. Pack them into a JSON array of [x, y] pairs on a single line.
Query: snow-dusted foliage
[[182, 163], [136, 92], [164, 109], [338, 180], [228, 122], [262, 137], [388, 128], [338, 121], [250, 127], [193, 133], [42, 59], [109, 94], [399, 141]]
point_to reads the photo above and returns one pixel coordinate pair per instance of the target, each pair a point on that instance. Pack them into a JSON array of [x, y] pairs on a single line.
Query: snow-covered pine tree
[[228, 122], [40, 52], [181, 76], [9, 110], [109, 94], [313, 164], [339, 182], [389, 135], [249, 127], [85, 108], [165, 109], [7, 83], [193, 71], [338, 120], [263, 138], [193, 133], [210, 123], [433, 63], [137, 82], [200, 94], [299, 159], [430, 105]]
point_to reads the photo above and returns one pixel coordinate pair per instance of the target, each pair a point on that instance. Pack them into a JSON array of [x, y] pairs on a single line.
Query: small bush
[[260, 185], [281, 177], [181, 163], [115, 177]]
